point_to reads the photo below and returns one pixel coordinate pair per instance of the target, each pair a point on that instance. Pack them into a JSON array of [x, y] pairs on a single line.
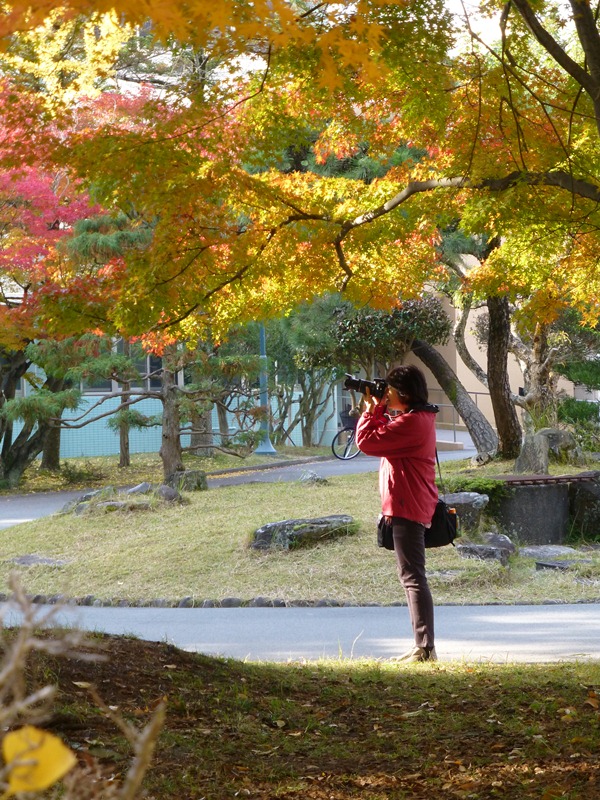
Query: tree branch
[[558, 178], [552, 47], [461, 345], [587, 31], [73, 422]]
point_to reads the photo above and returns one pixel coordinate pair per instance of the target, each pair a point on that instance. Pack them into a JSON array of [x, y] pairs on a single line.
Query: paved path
[[465, 633]]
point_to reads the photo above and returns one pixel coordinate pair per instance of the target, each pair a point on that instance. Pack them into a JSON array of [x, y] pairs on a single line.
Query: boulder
[[534, 514], [291, 533], [547, 444], [140, 498], [499, 540], [547, 551], [190, 480], [310, 478], [469, 506], [141, 488], [484, 552], [534, 455], [168, 494]]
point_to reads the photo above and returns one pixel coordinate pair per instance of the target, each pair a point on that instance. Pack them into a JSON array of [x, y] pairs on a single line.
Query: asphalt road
[[464, 633]]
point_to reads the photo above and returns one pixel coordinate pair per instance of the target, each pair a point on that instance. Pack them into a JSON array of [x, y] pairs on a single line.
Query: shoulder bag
[[444, 525]]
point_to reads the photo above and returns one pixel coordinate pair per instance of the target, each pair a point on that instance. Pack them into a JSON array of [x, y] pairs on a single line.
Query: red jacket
[[406, 445]]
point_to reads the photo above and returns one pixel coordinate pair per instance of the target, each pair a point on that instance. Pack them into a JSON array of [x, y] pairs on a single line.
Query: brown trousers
[[409, 546]]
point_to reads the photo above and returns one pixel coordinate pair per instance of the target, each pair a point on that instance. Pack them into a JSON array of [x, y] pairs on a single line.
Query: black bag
[[444, 526], [443, 530], [385, 536]]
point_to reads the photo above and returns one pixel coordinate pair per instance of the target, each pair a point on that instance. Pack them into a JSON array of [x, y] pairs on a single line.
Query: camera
[[377, 387]]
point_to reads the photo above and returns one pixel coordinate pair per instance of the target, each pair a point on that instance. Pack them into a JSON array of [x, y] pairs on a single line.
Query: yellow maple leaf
[[35, 759]]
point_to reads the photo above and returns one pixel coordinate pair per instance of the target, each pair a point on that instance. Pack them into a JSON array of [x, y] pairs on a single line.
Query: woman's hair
[[410, 383]]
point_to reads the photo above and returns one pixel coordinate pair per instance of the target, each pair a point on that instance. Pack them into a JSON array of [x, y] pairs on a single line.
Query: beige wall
[[479, 393]]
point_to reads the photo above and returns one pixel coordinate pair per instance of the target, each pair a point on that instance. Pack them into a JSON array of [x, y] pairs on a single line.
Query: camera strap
[[440, 472]]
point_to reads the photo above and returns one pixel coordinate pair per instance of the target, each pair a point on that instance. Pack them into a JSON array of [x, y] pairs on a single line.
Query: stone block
[[535, 514], [584, 504]]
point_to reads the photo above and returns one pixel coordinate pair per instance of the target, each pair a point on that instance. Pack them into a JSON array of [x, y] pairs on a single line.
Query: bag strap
[[440, 472]]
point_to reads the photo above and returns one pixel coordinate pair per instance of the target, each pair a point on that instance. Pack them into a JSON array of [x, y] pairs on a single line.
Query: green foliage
[[586, 373], [584, 420], [361, 165], [98, 239], [133, 419], [496, 490], [41, 406], [67, 357], [312, 331], [367, 336], [576, 411]]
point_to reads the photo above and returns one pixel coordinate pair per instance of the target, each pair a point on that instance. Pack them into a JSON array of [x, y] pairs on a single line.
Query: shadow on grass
[[340, 729]]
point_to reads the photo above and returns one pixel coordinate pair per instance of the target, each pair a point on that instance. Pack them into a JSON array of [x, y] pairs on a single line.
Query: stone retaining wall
[[542, 509]]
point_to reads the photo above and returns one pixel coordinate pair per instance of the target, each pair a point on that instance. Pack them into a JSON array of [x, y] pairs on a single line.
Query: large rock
[[499, 540], [484, 552], [545, 445], [292, 533], [469, 506], [190, 480], [534, 455], [139, 498]]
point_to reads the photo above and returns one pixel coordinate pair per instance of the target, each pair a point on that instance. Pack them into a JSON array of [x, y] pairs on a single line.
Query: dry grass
[[200, 550]]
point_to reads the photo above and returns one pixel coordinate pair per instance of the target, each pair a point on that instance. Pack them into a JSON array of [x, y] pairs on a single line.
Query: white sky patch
[[488, 28]]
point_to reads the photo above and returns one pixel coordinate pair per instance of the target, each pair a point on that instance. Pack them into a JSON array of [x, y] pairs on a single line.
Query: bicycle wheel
[[343, 445]]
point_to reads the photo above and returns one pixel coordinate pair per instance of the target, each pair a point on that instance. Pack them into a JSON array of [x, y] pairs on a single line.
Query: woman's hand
[[370, 401]]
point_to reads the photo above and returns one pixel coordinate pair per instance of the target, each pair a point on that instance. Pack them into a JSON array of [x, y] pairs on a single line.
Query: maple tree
[[36, 210], [501, 137]]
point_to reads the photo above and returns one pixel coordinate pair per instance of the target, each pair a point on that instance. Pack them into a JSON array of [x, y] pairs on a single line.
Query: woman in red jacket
[[400, 428]]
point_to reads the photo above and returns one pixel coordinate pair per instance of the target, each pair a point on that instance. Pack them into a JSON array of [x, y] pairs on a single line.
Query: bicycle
[[344, 444]]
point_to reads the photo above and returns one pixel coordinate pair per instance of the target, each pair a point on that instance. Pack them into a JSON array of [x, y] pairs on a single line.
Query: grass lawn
[[200, 550], [337, 730]]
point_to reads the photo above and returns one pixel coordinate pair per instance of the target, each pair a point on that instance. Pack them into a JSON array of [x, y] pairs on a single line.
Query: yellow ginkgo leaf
[[35, 759]]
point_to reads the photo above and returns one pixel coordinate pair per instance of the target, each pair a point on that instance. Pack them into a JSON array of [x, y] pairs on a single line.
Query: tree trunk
[[17, 455], [223, 423], [480, 430], [124, 453], [51, 452], [317, 389], [26, 447], [284, 397], [170, 449], [505, 415], [539, 402], [202, 438]]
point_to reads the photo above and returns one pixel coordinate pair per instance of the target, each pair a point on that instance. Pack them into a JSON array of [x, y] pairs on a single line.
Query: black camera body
[[376, 387]]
